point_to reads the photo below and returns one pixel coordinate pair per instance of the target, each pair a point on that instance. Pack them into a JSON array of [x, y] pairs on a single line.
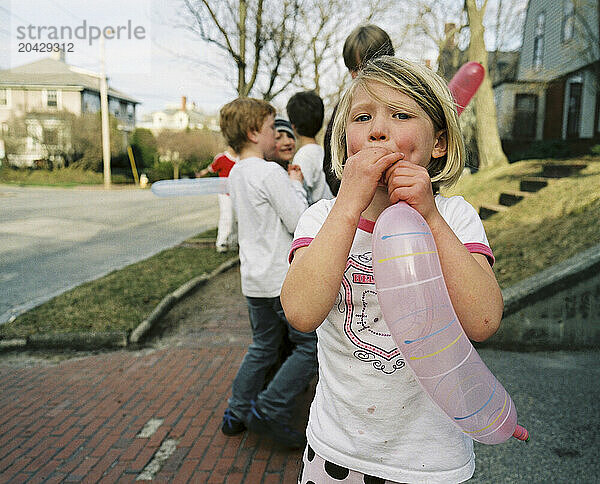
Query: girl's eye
[[362, 117], [402, 116]]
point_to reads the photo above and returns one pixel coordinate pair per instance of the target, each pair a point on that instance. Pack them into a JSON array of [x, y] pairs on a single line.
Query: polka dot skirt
[[316, 470]]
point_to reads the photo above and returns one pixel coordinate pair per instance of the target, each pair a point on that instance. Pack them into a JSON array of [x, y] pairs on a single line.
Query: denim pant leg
[[267, 334], [294, 375]]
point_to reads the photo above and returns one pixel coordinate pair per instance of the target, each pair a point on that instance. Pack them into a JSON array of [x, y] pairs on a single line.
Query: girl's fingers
[[388, 160]]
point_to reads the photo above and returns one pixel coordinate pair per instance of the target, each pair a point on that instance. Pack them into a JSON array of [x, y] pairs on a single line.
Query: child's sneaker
[[231, 424], [262, 424]]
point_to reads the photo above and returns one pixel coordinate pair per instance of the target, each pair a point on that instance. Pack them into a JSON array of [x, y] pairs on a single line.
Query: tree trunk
[[486, 121], [242, 89]]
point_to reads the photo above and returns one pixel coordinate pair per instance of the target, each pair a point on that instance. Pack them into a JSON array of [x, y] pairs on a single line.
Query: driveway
[[53, 239]]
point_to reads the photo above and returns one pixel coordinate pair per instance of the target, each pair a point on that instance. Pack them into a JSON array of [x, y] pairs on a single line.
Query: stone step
[[512, 198], [486, 211], [533, 184], [561, 170]]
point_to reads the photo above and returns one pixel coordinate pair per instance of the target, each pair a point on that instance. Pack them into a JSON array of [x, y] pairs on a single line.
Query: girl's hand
[[410, 183], [362, 172]]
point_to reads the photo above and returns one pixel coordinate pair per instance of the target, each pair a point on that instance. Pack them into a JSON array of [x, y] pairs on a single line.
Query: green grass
[[63, 177], [120, 300], [547, 227]]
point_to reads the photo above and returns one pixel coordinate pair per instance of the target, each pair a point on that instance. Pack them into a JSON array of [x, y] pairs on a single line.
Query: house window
[[3, 97], [574, 108], [538, 42], [50, 136], [525, 116], [52, 99], [568, 26]]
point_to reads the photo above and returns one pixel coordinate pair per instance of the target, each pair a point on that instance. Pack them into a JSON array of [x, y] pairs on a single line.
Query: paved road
[[54, 239], [81, 419]]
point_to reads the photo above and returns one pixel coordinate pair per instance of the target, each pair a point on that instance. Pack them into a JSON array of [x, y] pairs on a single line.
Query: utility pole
[[104, 113]]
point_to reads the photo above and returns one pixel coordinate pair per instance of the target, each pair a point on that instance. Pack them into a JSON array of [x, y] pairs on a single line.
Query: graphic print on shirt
[[363, 322]]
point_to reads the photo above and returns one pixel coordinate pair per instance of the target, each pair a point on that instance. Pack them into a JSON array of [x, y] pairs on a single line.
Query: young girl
[[395, 137]]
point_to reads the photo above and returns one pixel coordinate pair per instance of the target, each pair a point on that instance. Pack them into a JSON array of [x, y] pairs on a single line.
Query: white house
[[47, 87], [179, 117]]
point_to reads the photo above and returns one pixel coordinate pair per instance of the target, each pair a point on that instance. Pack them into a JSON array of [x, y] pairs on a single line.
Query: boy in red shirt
[[227, 229]]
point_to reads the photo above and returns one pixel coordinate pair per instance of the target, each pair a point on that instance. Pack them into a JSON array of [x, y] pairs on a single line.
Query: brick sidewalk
[[81, 420]]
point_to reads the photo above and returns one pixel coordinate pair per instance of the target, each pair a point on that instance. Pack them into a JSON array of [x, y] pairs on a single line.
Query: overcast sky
[[145, 63], [155, 60]]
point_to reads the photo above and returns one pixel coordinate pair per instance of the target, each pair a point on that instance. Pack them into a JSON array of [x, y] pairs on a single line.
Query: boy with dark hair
[[306, 111], [268, 203]]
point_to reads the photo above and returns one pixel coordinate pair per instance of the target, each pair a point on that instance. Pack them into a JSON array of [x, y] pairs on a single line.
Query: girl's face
[[285, 146], [404, 128]]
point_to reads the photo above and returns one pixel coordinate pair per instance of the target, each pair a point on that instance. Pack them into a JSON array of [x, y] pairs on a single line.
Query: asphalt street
[[53, 239]]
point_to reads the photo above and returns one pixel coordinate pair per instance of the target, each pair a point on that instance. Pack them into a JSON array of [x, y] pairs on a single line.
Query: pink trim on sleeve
[[297, 244], [478, 248], [366, 225]]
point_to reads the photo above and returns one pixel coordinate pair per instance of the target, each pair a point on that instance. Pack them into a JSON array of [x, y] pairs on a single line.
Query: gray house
[[46, 87], [555, 94]]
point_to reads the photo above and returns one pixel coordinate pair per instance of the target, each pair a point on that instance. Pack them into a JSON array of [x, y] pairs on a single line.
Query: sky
[[156, 65], [155, 59]]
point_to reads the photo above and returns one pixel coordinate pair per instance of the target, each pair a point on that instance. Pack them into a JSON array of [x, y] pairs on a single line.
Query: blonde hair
[[429, 91], [240, 116]]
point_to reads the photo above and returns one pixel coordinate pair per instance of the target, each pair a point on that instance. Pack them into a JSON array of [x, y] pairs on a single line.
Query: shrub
[[144, 147], [543, 149]]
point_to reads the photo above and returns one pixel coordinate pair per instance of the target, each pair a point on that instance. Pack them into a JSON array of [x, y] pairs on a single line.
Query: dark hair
[[330, 177], [305, 110], [364, 43]]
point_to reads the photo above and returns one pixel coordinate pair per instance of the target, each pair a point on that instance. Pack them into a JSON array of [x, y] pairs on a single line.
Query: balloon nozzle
[[521, 433]]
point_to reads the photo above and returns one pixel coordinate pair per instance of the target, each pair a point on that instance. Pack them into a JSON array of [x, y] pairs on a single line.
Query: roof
[[50, 72]]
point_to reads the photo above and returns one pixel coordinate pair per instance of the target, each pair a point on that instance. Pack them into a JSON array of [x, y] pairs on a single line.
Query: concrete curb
[[171, 299], [114, 339], [556, 308], [551, 280]]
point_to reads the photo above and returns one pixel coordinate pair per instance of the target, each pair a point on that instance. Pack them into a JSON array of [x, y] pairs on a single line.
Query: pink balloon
[[465, 83], [417, 309]]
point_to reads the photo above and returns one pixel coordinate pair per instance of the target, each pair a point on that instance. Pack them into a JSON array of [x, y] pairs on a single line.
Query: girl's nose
[[377, 135], [378, 131]]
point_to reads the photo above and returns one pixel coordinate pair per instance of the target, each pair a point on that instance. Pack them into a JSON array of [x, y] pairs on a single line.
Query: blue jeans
[[269, 327]]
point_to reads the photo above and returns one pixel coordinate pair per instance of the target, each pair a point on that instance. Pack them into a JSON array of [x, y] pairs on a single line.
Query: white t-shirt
[[310, 159], [268, 206], [369, 413]]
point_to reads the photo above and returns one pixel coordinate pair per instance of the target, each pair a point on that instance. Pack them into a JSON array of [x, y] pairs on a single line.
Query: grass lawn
[[120, 300], [546, 228], [64, 177]]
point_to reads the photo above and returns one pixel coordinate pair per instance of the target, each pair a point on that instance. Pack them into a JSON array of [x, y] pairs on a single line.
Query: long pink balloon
[[416, 307]]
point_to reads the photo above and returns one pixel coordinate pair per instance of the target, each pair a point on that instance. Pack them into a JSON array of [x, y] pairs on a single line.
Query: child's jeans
[[268, 329]]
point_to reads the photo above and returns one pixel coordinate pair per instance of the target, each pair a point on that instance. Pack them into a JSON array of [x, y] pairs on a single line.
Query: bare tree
[[440, 23], [257, 45], [488, 140], [321, 37]]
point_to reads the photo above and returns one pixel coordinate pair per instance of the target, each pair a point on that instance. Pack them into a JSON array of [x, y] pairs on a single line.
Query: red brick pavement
[[79, 420]]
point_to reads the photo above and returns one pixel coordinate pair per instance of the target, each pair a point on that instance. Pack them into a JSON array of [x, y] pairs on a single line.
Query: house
[[41, 90], [556, 91], [179, 117]]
